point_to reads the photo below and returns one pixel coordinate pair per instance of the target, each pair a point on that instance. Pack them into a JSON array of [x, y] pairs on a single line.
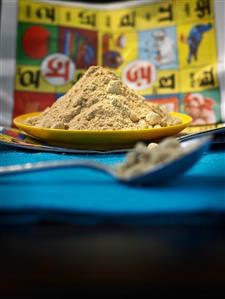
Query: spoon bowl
[[166, 171], [158, 174]]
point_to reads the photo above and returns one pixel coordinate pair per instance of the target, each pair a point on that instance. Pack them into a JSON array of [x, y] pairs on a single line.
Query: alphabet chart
[[168, 51]]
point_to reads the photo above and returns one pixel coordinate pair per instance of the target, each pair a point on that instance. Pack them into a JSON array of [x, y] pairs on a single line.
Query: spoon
[[160, 173]]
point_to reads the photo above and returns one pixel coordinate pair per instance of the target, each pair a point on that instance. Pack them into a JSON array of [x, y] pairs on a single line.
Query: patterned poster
[[168, 51]]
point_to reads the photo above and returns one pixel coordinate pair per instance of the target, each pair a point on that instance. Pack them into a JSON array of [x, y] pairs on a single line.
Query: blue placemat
[[84, 196]]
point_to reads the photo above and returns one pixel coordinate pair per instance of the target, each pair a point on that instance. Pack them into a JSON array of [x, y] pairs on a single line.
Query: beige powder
[[100, 101], [142, 158]]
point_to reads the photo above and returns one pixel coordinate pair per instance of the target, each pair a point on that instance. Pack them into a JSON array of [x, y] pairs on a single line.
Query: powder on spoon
[[143, 158]]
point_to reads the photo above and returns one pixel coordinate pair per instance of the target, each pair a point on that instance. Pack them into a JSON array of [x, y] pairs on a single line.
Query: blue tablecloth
[[83, 196]]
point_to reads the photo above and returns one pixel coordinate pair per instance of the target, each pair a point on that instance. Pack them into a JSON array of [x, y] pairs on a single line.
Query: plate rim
[[19, 124]]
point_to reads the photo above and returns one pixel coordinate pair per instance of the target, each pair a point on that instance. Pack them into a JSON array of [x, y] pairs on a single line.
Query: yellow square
[[193, 10], [197, 44], [29, 78], [38, 12], [74, 17], [156, 15], [198, 79]]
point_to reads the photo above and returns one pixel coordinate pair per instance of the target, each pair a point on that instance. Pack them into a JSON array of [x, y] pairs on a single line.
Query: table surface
[[78, 231]]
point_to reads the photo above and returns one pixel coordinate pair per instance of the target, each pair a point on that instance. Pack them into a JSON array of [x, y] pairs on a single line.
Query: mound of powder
[[100, 101]]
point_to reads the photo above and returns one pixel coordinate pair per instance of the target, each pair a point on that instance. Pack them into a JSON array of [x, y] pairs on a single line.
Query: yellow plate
[[97, 139]]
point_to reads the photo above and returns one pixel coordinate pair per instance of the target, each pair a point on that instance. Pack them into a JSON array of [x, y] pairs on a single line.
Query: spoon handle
[[50, 165], [214, 132]]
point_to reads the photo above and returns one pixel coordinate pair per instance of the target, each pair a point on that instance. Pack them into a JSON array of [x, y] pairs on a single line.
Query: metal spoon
[[158, 174]]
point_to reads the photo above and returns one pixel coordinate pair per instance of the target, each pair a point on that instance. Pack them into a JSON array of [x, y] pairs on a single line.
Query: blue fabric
[[72, 195]]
